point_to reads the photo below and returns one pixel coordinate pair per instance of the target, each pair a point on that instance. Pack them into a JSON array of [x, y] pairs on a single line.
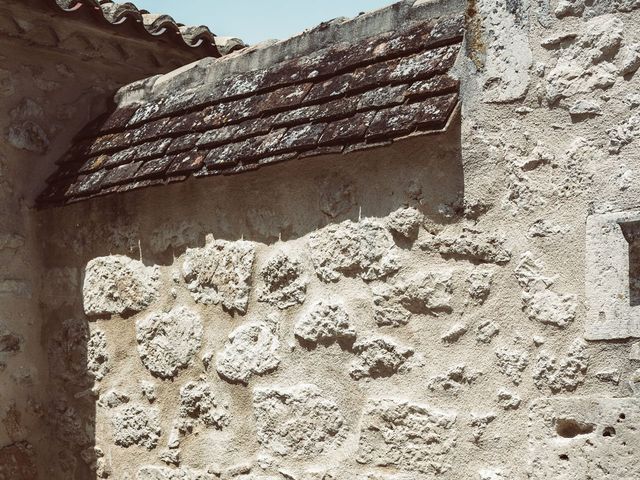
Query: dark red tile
[[122, 174], [386, 96], [284, 98], [187, 162], [348, 129], [425, 64], [433, 86], [184, 143], [86, 184], [154, 168], [431, 113]]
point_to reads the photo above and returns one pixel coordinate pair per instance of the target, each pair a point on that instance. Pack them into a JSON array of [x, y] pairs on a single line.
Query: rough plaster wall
[[42, 97], [404, 313], [46, 96]]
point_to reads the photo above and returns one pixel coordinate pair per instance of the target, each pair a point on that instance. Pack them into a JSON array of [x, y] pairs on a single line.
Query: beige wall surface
[[424, 310], [54, 78]]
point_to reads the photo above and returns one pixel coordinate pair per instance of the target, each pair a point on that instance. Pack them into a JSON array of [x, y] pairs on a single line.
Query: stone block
[[168, 341], [355, 249], [299, 422], [136, 425], [118, 285], [284, 282], [252, 349], [220, 272], [580, 438], [406, 435], [326, 323], [613, 276]]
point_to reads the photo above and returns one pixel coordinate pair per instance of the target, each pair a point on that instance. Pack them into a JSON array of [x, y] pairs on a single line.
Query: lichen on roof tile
[[321, 92]]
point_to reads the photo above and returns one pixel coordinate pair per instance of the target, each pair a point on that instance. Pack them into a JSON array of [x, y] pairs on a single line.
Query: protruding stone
[[119, 285], [610, 376], [28, 136], [379, 357], [150, 472], [220, 272], [354, 249], [585, 66], [199, 405], [405, 222], [406, 435], [564, 374], [298, 422], [168, 341], [471, 245], [567, 8], [424, 293], [10, 344], [550, 308], [512, 363], [69, 360], [326, 323], [242, 470], [148, 390], [337, 195], [136, 425], [113, 399], [285, 285], [454, 379], [624, 133], [97, 356], [529, 270], [11, 241], [69, 424], [479, 284], [486, 331], [540, 302], [252, 349], [544, 228], [455, 333], [508, 400], [630, 59], [479, 423], [170, 457], [585, 108]]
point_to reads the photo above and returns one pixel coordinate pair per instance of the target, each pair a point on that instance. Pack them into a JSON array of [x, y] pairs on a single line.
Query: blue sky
[[257, 20]]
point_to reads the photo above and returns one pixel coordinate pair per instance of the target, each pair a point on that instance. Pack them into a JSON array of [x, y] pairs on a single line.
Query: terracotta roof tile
[[156, 27], [153, 168], [187, 162], [338, 99]]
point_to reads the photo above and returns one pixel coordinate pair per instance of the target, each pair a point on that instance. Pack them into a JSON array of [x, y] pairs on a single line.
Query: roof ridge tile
[[155, 24]]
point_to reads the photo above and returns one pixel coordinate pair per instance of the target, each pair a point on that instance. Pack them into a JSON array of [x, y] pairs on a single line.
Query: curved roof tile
[[155, 25]]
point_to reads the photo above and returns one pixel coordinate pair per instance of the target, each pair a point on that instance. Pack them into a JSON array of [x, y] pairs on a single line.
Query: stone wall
[[55, 76], [410, 312]]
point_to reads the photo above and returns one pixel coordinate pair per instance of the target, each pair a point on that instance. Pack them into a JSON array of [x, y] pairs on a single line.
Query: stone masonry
[[362, 300]]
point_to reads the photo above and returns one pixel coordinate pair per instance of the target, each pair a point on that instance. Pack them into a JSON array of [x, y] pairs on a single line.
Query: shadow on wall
[[279, 203]]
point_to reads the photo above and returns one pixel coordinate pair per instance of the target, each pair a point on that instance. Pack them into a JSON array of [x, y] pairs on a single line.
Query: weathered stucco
[[56, 74], [455, 306]]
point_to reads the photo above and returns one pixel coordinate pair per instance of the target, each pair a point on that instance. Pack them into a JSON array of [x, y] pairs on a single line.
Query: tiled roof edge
[[270, 52], [347, 95], [155, 25]]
